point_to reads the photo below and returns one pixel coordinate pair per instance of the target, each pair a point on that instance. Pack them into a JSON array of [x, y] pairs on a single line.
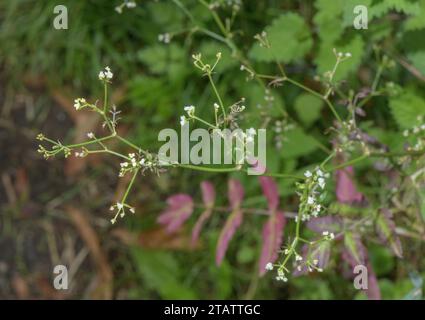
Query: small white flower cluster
[[90, 135], [81, 154], [80, 103], [315, 183], [190, 112], [281, 276], [418, 132], [106, 74], [120, 207], [164, 37], [130, 166], [269, 266], [126, 3], [328, 235]]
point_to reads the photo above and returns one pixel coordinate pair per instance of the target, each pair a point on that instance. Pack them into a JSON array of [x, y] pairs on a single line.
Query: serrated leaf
[[308, 108], [289, 37], [355, 252], [328, 19], [401, 6], [406, 108], [418, 59], [386, 228]]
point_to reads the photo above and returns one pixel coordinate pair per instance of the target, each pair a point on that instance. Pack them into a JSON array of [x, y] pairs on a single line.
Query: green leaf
[[161, 273], [401, 6], [289, 37], [328, 19], [296, 143], [308, 108], [406, 108], [418, 60], [353, 245]]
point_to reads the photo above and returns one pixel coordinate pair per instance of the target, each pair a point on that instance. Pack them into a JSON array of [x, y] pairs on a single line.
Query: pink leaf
[[346, 191], [208, 193], [199, 225], [270, 191], [208, 196], [235, 193], [386, 229], [272, 240], [179, 209], [232, 223], [373, 292]]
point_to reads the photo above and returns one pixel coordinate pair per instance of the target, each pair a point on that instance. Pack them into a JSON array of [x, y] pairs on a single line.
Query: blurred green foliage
[[160, 79]]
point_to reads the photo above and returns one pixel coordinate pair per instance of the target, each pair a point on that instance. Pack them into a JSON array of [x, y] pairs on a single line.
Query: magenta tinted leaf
[[199, 225], [208, 193], [346, 191], [354, 251], [230, 227], [326, 223], [373, 292], [235, 193], [272, 240], [270, 191], [386, 230], [179, 209]]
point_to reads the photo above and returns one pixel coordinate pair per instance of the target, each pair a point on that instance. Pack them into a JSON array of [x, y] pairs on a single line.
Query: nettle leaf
[[346, 191], [179, 209], [233, 222], [406, 108], [328, 19], [416, 22], [308, 108], [289, 37], [401, 6], [272, 240], [208, 197], [325, 59], [386, 230], [354, 253]]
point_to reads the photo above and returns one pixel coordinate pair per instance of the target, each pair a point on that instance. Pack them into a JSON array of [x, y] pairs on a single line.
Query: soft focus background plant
[[56, 212]]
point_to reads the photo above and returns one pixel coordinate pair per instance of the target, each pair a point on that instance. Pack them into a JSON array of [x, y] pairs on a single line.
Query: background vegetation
[[56, 211]]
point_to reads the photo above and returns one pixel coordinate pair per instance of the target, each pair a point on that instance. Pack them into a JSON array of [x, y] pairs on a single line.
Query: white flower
[[298, 258], [325, 233], [280, 273], [216, 106], [105, 74], [286, 251], [79, 103], [111, 208], [190, 110], [142, 161], [320, 269], [124, 164], [182, 120], [118, 9], [120, 205], [299, 268], [331, 235], [131, 4], [348, 54], [308, 174], [90, 135], [131, 155], [319, 173], [315, 262], [269, 266], [321, 182], [132, 210], [310, 200]]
